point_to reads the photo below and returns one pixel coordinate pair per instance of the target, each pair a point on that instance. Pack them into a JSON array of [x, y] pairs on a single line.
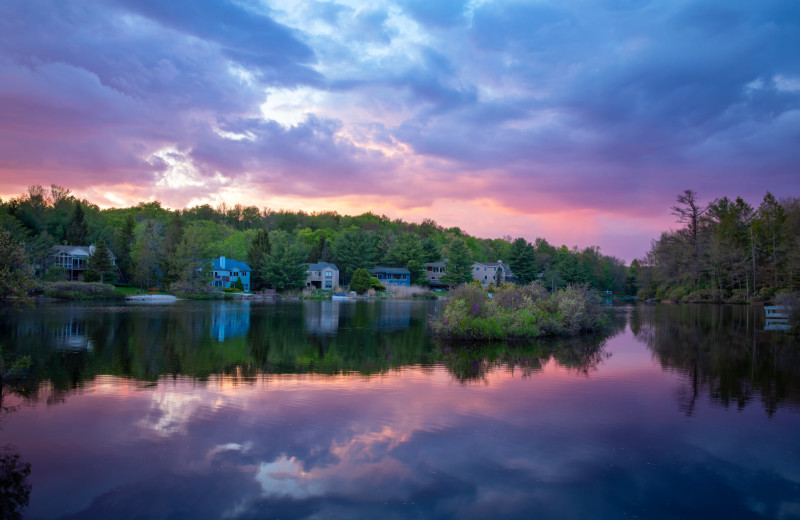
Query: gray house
[[322, 275]]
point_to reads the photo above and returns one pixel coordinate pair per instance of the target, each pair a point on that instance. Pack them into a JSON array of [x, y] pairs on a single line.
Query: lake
[[351, 410]]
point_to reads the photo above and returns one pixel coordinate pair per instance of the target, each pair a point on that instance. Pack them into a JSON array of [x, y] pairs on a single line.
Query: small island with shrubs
[[512, 312]]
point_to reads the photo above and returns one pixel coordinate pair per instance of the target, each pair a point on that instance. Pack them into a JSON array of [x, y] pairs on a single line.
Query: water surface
[[343, 410]]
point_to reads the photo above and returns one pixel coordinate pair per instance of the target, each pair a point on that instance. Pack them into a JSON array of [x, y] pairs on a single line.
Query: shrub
[[361, 281], [79, 290], [517, 313]]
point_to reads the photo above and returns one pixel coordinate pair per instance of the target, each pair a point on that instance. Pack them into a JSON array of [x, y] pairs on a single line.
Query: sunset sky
[[575, 121]]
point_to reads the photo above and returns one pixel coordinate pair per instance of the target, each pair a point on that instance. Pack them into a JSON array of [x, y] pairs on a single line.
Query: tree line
[[172, 249], [724, 250]]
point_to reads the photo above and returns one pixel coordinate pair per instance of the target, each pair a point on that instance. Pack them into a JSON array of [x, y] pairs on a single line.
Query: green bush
[[518, 312], [361, 281]]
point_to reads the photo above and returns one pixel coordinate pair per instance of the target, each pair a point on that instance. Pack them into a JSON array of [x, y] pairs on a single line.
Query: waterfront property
[[433, 274], [75, 259], [322, 275], [389, 276], [492, 272], [227, 271]]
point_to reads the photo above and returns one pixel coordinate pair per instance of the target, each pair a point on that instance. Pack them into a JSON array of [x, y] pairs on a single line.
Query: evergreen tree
[[353, 249], [431, 251], [417, 270], [285, 264], [522, 260], [101, 266], [77, 230], [123, 240], [170, 266], [257, 258], [458, 265], [326, 255], [406, 247]]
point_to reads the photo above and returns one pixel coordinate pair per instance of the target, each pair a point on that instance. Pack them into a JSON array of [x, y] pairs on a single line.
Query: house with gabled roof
[[226, 271], [322, 275], [492, 272], [75, 259], [433, 274]]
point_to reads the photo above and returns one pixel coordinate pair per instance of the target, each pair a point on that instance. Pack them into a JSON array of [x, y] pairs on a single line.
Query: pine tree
[[285, 264], [101, 266], [458, 265], [170, 264], [77, 230], [123, 241], [257, 257], [523, 261]]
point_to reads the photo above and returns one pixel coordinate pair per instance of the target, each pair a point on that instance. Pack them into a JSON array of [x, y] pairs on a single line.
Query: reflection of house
[[322, 275], [75, 259], [433, 274], [72, 336], [230, 321], [492, 272], [393, 315], [227, 271], [392, 275], [322, 317]]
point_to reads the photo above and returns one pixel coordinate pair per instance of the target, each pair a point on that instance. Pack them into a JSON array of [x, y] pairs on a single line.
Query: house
[[226, 271], [322, 275], [433, 274], [75, 259], [492, 272], [392, 275]]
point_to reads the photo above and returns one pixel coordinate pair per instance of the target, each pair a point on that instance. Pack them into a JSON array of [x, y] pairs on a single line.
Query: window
[[328, 284], [328, 274]]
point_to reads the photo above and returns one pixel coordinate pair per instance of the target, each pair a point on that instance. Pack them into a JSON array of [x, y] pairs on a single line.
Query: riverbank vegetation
[[518, 312], [725, 251]]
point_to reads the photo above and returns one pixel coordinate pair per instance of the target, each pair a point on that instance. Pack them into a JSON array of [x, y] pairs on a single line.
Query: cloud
[[610, 107]]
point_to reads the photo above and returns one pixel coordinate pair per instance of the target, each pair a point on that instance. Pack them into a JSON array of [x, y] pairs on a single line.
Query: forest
[[157, 247], [725, 250]]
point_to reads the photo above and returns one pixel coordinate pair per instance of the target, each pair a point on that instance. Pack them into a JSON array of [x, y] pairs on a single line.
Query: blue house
[[389, 276], [226, 271]]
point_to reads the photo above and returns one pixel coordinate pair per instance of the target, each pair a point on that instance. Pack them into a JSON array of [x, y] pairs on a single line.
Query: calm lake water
[[351, 410]]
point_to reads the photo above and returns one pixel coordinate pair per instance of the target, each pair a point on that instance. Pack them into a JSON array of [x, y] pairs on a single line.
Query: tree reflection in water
[[722, 351], [474, 362], [15, 490]]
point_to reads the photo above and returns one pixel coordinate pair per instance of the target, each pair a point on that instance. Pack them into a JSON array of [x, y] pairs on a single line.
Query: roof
[[490, 264], [78, 250], [321, 266], [230, 265], [390, 270]]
